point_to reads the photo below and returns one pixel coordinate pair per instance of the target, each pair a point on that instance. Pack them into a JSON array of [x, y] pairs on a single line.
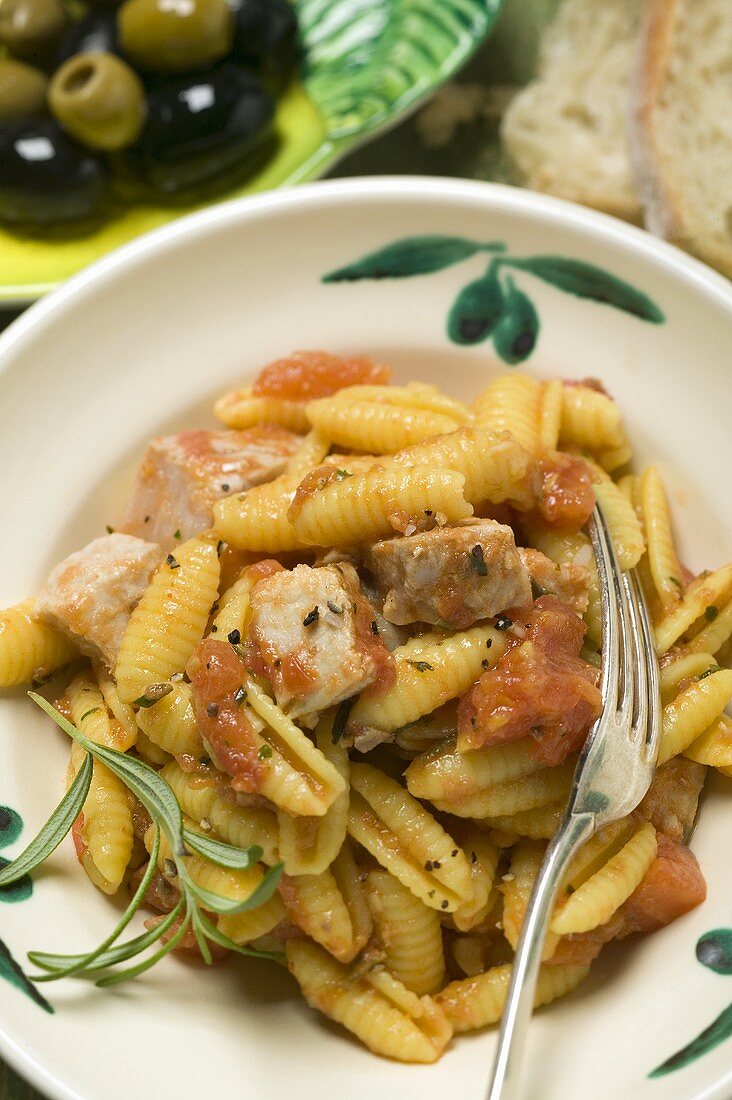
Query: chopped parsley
[[110, 530], [709, 672], [341, 719], [341, 475], [503, 622], [172, 562], [177, 535], [311, 617], [265, 751], [421, 666], [477, 561], [710, 613], [88, 712], [676, 581], [485, 664], [240, 696], [334, 608], [536, 590]]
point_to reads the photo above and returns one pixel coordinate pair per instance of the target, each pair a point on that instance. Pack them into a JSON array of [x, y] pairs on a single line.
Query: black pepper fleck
[[503, 622], [445, 904], [311, 617], [212, 710], [234, 636]]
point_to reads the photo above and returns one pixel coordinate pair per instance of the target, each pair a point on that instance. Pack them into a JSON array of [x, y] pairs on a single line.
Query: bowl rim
[[370, 191]]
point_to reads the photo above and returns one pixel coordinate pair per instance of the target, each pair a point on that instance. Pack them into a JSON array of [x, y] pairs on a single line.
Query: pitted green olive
[[31, 28], [175, 35], [22, 90], [99, 100]]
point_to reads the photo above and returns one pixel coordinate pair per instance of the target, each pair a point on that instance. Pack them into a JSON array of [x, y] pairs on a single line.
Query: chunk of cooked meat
[[673, 798], [539, 687], [91, 594], [450, 575], [313, 630], [182, 476], [571, 583]]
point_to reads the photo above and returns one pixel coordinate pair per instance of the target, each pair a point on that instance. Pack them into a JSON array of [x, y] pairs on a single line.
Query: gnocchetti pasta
[[369, 644]]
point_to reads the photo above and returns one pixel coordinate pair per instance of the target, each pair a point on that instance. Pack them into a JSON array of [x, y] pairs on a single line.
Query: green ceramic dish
[[366, 63]]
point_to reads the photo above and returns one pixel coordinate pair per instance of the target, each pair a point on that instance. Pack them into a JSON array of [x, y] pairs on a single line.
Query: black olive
[[97, 32], [265, 35], [45, 177], [200, 125]]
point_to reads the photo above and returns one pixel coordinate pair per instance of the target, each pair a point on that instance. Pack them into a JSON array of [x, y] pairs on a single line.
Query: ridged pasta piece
[[572, 548], [349, 877], [250, 925], [594, 903], [308, 845], [620, 517], [373, 426], [316, 905], [471, 953], [405, 839], [415, 395], [240, 409], [714, 746], [367, 506], [683, 667], [591, 420], [296, 777], [29, 650], [662, 558], [90, 715], [550, 414], [169, 619], [692, 711], [123, 712], [594, 854], [409, 933], [311, 452], [716, 630], [538, 824], [707, 590], [240, 826], [542, 788], [227, 882], [472, 1003], [233, 608], [351, 1001], [444, 773], [511, 403], [495, 466], [171, 724], [104, 826], [482, 855], [516, 887], [428, 673], [257, 520], [149, 752]]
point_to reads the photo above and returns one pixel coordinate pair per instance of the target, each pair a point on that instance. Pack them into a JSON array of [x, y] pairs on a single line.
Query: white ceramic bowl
[[141, 342]]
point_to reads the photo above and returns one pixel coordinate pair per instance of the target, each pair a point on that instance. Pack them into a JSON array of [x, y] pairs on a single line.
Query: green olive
[[30, 28], [99, 100], [175, 35], [22, 90]]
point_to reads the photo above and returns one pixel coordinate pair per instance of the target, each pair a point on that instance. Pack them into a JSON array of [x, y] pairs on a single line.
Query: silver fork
[[613, 773]]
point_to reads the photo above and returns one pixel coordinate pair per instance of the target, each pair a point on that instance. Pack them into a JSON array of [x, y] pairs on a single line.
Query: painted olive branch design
[[493, 305]]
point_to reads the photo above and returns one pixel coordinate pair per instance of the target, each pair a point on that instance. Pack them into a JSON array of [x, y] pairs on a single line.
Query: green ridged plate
[[365, 64]]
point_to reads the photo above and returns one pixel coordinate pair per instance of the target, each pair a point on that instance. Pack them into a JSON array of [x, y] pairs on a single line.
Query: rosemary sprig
[[195, 902]]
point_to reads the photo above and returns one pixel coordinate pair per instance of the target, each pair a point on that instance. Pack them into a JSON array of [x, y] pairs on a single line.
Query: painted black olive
[[199, 126], [265, 35], [45, 177], [97, 32]]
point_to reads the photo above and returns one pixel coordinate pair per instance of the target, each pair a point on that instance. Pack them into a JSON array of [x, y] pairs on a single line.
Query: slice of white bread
[[682, 126], [566, 131]]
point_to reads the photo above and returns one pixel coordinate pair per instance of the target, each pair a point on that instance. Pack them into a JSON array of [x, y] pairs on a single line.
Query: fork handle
[[505, 1080]]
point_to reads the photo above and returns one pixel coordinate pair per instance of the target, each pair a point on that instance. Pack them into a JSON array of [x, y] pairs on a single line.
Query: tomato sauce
[[566, 496], [306, 375]]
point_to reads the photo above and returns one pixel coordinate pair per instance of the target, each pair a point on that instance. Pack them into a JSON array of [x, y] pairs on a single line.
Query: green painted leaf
[[225, 855], [719, 1030], [409, 256], [55, 829], [18, 890], [714, 949], [587, 281], [11, 826], [365, 60], [477, 310], [515, 335], [13, 972]]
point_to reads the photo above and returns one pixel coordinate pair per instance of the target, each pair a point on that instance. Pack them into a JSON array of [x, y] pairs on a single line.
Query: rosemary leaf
[[133, 971], [217, 904], [55, 829], [200, 935], [80, 963], [212, 933], [225, 855]]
